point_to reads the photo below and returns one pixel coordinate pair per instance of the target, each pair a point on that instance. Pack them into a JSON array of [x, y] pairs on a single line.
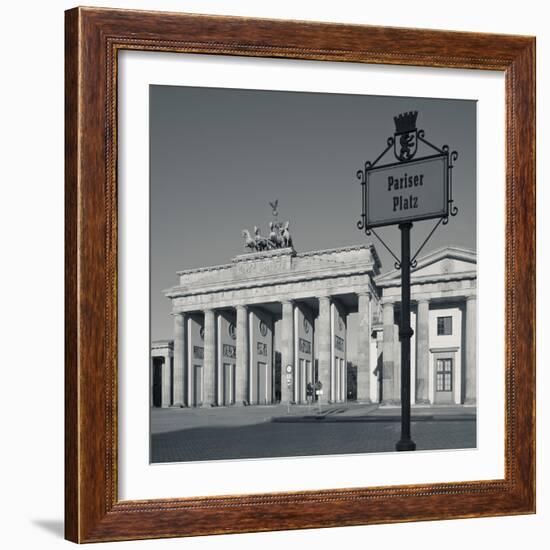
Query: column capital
[[423, 301], [242, 307], [471, 297], [179, 319], [324, 297], [388, 304], [367, 293], [287, 301]]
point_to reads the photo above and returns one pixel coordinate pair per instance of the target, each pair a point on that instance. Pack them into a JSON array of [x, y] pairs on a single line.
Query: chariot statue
[[279, 234]]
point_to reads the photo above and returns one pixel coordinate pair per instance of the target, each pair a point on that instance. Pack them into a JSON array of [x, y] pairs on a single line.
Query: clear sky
[[218, 156]]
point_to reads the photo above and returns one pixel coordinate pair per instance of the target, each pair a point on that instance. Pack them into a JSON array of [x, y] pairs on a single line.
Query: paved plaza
[[273, 431]]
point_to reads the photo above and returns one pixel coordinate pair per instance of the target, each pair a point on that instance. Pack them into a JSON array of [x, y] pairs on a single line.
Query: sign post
[[289, 384], [405, 334], [399, 193]]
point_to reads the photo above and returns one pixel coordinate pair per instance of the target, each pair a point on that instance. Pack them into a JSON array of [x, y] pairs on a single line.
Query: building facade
[[270, 324]]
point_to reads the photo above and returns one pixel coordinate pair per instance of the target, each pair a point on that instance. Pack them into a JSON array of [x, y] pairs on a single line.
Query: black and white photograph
[[313, 274]]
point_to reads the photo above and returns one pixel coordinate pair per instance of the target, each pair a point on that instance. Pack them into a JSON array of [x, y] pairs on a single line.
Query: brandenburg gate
[[224, 319], [273, 322]]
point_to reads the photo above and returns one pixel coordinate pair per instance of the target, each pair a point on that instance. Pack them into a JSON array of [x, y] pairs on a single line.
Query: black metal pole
[[405, 333]]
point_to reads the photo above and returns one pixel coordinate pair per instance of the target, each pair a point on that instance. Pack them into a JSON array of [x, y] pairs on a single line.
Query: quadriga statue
[[279, 237]]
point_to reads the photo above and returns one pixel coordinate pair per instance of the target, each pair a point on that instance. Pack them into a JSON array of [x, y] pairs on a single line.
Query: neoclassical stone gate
[[242, 330], [224, 320]]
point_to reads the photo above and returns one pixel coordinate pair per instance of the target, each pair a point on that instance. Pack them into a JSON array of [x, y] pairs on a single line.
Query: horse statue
[[249, 242], [275, 237], [285, 233], [261, 242]]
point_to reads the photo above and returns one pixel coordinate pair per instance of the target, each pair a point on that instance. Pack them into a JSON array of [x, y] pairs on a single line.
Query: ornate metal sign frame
[[408, 137]]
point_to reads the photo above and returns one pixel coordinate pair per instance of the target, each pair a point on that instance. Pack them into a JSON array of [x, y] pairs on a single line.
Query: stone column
[[471, 359], [241, 366], [363, 347], [324, 347], [396, 365], [389, 356], [287, 351], [166, 386], [180, 397], [423, 351], [209, 357]]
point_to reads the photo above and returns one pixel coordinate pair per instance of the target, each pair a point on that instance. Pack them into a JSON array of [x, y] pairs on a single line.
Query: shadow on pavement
[[284, 439]]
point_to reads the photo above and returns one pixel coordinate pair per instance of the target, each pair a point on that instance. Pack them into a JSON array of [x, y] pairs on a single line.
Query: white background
[[31, 220], [138, 479]]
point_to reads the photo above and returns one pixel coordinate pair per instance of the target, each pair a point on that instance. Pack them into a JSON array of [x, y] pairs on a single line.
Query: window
[[444, 326], [444, 375]]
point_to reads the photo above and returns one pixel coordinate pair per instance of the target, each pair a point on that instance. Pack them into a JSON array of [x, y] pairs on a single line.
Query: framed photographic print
[[300, 275]]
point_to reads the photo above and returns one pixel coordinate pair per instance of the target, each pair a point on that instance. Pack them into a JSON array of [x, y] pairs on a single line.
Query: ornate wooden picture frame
[[93, 511]]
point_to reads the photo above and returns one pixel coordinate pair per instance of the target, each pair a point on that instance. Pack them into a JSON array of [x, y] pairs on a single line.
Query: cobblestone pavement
[[260, 432]]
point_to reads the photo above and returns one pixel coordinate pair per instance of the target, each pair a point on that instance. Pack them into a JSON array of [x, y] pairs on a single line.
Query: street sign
[[407, 191], [400, 193]]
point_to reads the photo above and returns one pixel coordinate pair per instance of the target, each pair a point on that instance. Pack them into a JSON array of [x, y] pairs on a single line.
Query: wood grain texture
[[93, 38], [71, 271]]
